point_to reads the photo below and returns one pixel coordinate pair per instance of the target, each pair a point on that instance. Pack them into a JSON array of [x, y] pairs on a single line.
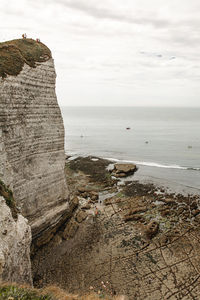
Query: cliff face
[[15, 240], [32, 138]]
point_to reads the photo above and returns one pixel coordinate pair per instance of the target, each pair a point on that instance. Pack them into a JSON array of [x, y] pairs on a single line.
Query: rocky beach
[[136, 238]]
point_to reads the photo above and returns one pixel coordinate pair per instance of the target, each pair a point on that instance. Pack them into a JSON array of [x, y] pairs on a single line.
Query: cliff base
[[137, 239]]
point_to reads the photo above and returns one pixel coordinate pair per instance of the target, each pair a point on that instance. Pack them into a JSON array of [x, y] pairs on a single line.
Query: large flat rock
[[123, 170]]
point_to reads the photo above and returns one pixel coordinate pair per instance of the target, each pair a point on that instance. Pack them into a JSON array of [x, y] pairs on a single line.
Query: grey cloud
[[100, 41], [101, 13], [187, 40], [154, 54]]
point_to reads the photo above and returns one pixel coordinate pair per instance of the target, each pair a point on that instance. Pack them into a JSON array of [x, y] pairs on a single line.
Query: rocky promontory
[[31, 139]]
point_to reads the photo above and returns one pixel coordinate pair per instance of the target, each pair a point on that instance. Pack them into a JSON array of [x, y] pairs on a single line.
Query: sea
[[164, 142]]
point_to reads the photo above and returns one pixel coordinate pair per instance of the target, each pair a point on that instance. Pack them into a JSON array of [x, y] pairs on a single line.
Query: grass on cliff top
[[7, 194], [15, 53], [14, 292]]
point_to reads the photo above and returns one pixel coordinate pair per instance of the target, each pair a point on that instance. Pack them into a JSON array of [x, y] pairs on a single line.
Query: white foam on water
[[154, 164]]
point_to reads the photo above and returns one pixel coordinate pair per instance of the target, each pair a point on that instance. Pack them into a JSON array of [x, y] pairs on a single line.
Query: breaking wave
[[154, 164]]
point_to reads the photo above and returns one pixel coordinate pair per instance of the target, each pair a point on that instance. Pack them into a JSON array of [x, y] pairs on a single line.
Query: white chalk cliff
[[15, 240], [32, 149]]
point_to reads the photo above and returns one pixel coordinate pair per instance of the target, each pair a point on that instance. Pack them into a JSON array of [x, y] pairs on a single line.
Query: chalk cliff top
[[14, 53]]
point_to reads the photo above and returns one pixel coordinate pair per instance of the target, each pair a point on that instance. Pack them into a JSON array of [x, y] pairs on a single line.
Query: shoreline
[[120, 223], [150, 175], [98, 175]]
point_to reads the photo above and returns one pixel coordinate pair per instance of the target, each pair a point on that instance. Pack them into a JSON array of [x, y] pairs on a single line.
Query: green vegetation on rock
[[7, 194], [11, 292], [15, 292], [97, 171], [15, 53]]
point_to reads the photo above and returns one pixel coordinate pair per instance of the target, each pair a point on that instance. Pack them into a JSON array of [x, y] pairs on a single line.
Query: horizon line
[[142, 106]]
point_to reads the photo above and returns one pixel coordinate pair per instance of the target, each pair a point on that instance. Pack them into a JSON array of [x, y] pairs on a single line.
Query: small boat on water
[[127, 128]]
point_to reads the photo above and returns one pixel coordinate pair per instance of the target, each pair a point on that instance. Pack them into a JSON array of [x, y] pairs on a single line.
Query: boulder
[[120, 175], [81, 216], [74, 203], [83, 189], [70, 229], [152, 229], [170, 201], [165, 212], [94, 195], [86, 206], [108, 201], [135, 217], [123, 170]]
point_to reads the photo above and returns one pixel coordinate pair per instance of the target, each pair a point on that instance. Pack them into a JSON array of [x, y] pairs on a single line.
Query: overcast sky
[[115, 52]]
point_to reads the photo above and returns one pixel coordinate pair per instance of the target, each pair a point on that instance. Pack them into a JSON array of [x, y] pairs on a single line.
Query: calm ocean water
[[163, 142]]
